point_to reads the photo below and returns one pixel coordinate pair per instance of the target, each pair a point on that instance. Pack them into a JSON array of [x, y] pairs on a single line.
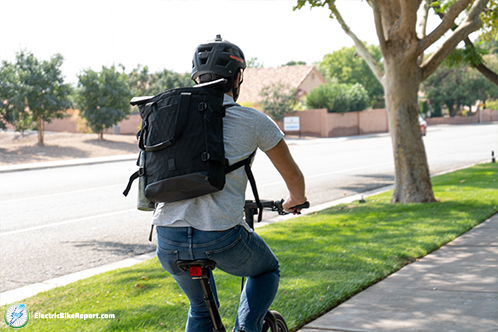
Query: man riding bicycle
[[212, 226]]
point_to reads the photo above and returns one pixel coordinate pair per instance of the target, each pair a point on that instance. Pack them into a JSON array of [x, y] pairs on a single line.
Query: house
[[302, 78]]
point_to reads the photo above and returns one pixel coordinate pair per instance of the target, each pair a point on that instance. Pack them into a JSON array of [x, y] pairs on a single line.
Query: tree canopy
[[278, 100], [349, 68], [455, 87], [144, 83], [295, 63], [404, 68], [103, 98], [32, 91]]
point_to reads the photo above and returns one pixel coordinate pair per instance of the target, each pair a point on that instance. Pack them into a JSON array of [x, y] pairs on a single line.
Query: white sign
[[291, 123]]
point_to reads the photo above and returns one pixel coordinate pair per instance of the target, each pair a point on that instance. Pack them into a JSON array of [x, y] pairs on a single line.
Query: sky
[[163, 34]]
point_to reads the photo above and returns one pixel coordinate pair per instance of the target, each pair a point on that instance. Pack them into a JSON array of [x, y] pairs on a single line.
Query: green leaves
[[347, 67], [278, 100], [103, 98], [32, 90], [143, 83], [470, 55], [457, 86], [339, 97]]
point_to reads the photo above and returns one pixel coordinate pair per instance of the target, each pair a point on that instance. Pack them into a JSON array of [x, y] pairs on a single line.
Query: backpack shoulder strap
[[247, 167]]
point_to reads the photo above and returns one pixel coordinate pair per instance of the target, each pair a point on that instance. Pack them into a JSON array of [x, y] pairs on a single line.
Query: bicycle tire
[[281, 325]]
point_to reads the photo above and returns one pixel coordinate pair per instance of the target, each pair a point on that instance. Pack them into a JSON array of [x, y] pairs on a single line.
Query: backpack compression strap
[[247, 166]]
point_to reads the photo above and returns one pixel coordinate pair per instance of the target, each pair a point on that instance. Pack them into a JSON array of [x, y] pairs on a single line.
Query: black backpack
[[181, 141]]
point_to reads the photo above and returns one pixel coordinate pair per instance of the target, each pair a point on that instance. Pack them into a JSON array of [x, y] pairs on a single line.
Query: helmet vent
[[221, 62], [205, 49], [203, 61]]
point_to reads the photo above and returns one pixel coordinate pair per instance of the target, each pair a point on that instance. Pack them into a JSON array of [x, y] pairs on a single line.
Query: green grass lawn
[[325, 259]]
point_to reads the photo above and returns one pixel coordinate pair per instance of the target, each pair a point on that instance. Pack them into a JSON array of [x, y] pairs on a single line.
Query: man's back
[[245, 130]]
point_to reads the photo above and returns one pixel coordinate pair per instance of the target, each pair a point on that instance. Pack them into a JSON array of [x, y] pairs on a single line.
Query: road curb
[[16, 295], [65, 163]]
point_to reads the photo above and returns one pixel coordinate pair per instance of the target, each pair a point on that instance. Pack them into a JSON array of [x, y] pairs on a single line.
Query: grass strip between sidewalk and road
[[325, 258]]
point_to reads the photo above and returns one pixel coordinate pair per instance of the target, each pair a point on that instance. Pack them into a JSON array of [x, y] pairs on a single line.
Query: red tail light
[[195, 271]]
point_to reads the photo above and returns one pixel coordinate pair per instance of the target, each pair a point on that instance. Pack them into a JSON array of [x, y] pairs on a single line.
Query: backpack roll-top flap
[[140, 100]]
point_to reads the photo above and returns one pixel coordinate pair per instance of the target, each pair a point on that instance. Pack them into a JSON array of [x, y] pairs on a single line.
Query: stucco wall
[[317, 122]]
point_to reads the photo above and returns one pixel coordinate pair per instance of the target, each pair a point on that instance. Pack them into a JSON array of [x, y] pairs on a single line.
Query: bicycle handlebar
[[276, 206]]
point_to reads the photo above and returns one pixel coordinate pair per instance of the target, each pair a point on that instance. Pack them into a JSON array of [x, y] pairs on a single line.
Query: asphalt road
[[62, 220]]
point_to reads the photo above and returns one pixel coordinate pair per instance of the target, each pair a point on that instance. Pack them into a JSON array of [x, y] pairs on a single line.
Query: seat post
[[201, 269], [210, 301]]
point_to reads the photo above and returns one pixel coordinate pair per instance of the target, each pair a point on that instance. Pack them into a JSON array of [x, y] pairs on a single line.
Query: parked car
[[423, 125]]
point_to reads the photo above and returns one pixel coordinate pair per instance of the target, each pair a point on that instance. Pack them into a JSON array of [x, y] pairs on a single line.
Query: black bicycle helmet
[[218, 57]]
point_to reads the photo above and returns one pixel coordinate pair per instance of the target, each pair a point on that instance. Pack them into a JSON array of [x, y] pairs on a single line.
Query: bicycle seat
[[203, 263]]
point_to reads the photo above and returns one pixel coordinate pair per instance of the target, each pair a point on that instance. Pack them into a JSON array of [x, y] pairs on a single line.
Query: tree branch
[[471, 23], [478, 65], [423, 26], [407, 18], [446, 24], [360, 47], [423, 20], [481, 67], [378, 25]]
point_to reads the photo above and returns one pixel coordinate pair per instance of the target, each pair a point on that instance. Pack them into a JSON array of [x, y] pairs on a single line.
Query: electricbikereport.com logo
[[16, 316]]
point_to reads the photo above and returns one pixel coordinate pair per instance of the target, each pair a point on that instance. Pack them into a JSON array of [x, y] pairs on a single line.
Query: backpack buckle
[[141, 171], [202, 107]]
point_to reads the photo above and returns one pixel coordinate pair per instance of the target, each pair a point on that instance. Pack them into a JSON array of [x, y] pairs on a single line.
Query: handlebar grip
[[278, 207], [305, 205]]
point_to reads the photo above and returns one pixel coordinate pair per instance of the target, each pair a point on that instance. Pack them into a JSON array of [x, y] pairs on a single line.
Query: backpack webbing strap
[[133, 177], [247, 167], [239, 164], [150, 234], [252, 181]]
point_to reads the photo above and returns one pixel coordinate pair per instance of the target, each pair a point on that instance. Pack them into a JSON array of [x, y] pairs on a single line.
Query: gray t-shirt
[[245, 130]]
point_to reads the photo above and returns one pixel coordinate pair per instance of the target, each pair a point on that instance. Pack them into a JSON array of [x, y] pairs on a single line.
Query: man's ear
[[236, 84]]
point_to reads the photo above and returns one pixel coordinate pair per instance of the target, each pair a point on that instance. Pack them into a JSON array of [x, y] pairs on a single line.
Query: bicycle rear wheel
[[280, 324]]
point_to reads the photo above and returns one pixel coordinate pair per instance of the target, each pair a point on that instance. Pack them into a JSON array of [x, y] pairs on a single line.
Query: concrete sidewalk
[[455, 288]]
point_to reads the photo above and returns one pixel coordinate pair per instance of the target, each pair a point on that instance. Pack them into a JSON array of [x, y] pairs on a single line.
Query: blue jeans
[[235, 251]]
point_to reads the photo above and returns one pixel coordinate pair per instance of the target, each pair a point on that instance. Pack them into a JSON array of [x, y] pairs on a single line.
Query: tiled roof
[[257, 78]]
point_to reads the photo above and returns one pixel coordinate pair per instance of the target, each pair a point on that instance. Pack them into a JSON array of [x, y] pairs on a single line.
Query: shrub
[[339, 97], [492, 104]]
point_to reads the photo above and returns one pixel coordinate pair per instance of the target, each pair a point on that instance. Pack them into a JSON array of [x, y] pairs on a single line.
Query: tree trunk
[[412, 177], [41, 130]]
